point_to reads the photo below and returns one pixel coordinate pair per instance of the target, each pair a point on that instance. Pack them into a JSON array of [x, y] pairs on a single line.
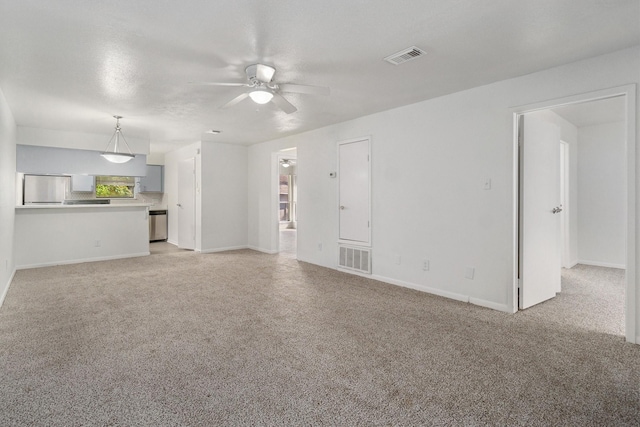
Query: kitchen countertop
[[92, 206]]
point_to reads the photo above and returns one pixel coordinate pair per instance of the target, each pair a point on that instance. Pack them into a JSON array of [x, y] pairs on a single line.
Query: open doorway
[[287, 203], [585, 209]]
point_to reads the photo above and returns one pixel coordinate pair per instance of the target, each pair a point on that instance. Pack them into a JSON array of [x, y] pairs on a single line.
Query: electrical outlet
[[98, 243], [425, 265], [319, 247], [398, 259], [469, 272]]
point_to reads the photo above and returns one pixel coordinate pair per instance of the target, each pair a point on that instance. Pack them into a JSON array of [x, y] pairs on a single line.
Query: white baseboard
[[439, 292], [602, 264], [266, 251], [82, 260], [422, 288], [172, 242], [230, 248], [6, 289], [354, 272], [490, 304]]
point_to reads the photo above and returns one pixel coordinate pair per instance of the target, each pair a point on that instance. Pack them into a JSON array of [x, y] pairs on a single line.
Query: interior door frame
[[629, 91], [280, 155]]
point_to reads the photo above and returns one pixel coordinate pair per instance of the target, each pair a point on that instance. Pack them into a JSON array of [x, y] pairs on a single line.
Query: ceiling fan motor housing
[[260, 73]]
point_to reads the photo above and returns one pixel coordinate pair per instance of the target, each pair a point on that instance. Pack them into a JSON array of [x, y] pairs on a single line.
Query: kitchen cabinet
[[153, 182], [82, 183]]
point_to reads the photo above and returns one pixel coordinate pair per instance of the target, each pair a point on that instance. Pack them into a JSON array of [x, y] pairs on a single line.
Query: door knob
[[556, 210], [341, 208], [178, 205]]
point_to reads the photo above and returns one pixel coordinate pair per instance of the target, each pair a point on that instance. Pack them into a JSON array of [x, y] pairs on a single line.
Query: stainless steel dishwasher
[[157, 225]]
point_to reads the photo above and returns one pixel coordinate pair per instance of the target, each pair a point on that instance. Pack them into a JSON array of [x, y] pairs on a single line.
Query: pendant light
[[116, 156]]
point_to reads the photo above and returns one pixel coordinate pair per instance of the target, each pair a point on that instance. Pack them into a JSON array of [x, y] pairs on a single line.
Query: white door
[[354, 203], [187, 204], [565, 224], [540, 256]]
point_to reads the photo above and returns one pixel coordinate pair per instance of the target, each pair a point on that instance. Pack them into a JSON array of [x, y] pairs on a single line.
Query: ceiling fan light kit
[[116, 156], [260, 95]]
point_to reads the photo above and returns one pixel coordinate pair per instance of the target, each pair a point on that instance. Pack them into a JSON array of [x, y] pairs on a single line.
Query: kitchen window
[[115, 187]]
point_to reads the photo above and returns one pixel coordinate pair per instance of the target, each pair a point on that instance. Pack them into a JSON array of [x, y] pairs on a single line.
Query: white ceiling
[[72, 64], [594, 112]]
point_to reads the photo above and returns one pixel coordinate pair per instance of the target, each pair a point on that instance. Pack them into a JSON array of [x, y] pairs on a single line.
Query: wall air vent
[[356, 259], [405, 55]]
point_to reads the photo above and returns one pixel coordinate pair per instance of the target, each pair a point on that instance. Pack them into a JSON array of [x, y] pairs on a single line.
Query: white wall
[[429, 162], [155, 159], [602, 195], [171, 162], [221, 195], [224, 197], [8, 137]]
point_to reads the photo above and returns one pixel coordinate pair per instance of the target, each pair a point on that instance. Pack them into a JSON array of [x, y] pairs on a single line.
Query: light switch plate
[[487, 184]]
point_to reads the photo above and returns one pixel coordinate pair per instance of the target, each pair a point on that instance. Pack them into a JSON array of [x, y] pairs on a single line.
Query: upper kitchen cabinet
[[153, 182], [82, 183]]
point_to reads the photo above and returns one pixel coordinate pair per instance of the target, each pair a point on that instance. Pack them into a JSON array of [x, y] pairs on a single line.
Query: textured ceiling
[[72, 64]]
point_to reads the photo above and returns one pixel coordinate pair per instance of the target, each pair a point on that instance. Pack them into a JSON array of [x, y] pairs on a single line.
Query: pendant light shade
[[115, 156], [118, 157]]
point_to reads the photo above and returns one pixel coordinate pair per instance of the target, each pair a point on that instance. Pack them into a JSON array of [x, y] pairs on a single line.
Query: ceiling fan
[[262, 89]]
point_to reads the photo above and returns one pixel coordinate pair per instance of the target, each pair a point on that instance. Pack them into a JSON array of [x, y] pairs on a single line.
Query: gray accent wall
[[67, 161]]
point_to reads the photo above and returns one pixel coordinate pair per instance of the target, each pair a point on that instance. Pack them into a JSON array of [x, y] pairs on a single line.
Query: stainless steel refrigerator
[[44, 189]]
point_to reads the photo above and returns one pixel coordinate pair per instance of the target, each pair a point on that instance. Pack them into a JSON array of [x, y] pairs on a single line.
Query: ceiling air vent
[[405, 55]]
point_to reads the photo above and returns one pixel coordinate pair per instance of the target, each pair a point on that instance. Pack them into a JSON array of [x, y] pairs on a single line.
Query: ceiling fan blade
[[283, 104], [218, 84], [311, 90], [236, 100]]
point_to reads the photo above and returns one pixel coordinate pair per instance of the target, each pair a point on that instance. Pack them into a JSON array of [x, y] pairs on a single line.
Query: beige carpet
[[244, 338], [288, 243]]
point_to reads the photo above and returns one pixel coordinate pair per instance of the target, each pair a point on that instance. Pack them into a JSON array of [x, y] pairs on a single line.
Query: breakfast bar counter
[[65, 234]]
